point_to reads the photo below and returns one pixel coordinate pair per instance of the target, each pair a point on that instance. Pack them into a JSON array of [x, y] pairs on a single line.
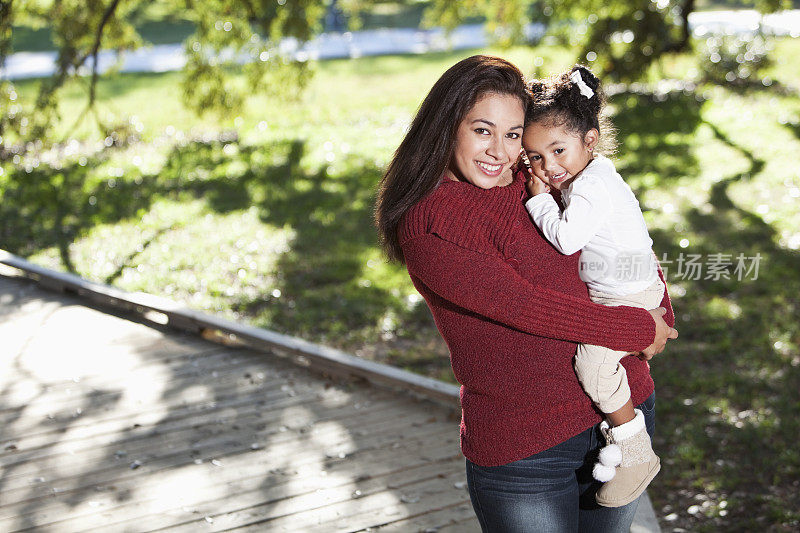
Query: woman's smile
[[489, 169]]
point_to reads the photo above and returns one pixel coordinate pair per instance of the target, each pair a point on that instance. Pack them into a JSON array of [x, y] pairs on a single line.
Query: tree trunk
[[686, 32]]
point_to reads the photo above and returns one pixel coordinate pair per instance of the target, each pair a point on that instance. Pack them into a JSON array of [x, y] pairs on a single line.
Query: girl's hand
[[536, 186], [532, 183]]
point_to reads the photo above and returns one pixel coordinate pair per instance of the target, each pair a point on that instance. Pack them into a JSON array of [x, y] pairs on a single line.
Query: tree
[[620, 37], [229, 34]]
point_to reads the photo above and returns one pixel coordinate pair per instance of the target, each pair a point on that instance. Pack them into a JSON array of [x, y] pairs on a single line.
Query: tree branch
[[686, 33], [95, 50]]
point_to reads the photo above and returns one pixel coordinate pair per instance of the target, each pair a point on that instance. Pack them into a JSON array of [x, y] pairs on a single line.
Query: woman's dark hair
[[424, 154], [558, 101]]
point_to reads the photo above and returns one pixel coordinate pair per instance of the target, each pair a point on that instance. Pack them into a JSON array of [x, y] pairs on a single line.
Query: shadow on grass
[[729, 395], [793, 127], [326, 294], [728, 387], [655, 136], [49, 207], [326, 289]]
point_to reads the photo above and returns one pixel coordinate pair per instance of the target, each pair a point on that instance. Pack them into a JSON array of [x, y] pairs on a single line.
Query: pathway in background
[[170, 57]]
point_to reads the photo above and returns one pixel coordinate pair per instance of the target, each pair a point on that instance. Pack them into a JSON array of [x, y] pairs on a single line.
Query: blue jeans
[[551, 491]]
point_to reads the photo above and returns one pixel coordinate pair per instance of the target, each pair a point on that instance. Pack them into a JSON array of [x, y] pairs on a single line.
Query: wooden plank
[[337, 440], [216, 371], [103, 470], [127, 417], [343, 478], [456, 518], [247, 472], [407, 496], [369, 437], [291, 385], [63, 402], [404, 496], [256, 428], [192, 373], [149, 351], [23, 304], [185, 416], [262, 399], [157, 514], [243, 473], [168, 353], [467, 524], [134, 361]]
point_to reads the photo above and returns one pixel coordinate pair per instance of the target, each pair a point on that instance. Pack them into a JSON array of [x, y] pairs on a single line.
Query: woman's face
[[557, 154], [488, 141]]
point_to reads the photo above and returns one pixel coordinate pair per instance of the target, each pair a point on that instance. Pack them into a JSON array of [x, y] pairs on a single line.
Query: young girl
[[602, 218]]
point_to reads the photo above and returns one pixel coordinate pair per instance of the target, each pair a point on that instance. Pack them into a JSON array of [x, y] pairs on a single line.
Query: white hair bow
[[577, 79]]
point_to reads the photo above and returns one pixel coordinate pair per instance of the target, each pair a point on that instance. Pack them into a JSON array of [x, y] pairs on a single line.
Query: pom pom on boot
[[611, 455], [610, 458], [603, 473]]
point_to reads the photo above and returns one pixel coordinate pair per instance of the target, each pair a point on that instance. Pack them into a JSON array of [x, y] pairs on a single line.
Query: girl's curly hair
[[558, 101]]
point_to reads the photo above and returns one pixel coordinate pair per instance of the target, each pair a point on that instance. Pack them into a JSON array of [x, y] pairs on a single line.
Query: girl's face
[[556, 154], [488, 141]]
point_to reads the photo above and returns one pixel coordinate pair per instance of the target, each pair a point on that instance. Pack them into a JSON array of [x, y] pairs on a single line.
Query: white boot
[[630, 454]]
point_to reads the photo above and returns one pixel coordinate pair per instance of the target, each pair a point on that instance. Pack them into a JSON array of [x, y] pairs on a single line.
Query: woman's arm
[[664, 317], [488, 286]]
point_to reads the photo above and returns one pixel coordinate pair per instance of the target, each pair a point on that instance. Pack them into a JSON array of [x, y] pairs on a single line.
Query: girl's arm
[[588, 207], [488, 286]]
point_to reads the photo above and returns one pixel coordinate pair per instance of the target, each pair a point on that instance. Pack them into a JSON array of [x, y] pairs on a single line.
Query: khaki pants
[[598, 368]]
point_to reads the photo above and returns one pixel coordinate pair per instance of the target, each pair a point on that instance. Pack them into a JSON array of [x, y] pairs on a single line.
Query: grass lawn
[[266, 218]]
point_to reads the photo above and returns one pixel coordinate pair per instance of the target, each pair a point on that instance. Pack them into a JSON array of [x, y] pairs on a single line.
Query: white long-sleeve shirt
[[602, 218]]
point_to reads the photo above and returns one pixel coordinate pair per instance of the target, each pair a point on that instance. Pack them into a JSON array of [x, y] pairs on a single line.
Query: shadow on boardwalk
[[110, 424]]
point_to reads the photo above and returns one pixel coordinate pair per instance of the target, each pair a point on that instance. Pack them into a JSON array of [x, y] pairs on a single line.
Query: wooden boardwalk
[[109, 423]]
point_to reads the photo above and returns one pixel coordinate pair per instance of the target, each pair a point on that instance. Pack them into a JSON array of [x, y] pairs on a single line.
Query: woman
[[510, 307]]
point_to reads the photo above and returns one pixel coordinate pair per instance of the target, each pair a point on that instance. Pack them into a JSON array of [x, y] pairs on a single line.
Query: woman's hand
[[663, 333]]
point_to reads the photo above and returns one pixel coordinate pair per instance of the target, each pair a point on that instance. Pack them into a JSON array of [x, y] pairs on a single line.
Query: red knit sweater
[[512, 310]]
